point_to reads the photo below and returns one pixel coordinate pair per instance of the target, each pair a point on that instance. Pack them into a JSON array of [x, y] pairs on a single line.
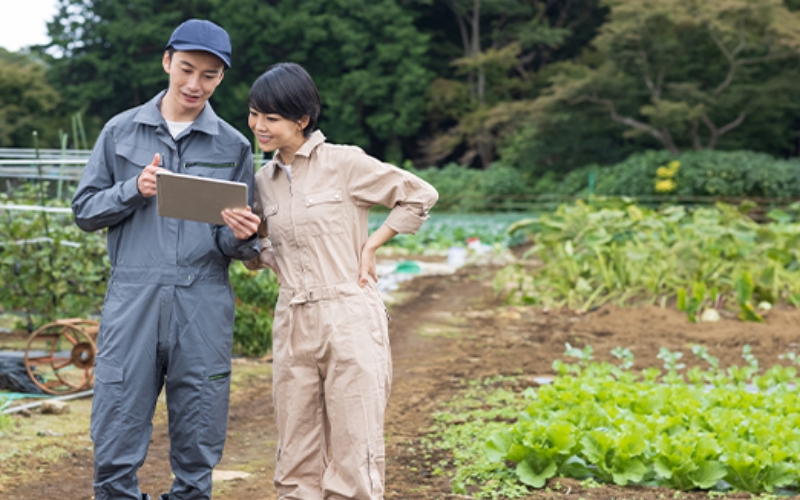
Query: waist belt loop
[[318, 294]]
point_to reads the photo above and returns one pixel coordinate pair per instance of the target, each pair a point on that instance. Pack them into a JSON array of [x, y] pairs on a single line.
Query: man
[[168, 314]]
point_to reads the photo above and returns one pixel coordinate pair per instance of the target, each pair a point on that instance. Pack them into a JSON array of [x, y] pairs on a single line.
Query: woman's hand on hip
[[368, 266]]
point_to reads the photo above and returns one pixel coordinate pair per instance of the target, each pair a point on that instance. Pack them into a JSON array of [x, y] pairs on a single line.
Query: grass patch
[[461, 429]]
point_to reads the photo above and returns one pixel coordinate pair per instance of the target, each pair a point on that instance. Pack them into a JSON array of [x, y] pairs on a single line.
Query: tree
[[27, 102], [684, 72], [108, 53], [366, 57], [503, 44]]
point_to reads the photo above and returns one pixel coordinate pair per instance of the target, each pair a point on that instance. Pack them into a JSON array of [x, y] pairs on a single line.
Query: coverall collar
[[150, 114], [306, 149]]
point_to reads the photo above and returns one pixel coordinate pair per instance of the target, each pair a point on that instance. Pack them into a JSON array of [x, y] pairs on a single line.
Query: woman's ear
[[303, 122]]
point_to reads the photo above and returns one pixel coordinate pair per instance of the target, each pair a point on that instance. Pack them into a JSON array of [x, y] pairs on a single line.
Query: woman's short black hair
[[287, 89]]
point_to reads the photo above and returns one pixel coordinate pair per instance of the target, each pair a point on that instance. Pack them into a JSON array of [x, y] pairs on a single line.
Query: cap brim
[[186, 47]]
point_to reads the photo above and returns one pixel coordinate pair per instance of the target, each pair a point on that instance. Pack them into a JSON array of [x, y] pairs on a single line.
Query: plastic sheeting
[[14, 377]]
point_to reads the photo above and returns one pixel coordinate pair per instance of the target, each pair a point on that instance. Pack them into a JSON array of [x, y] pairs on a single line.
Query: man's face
[[193, 77]]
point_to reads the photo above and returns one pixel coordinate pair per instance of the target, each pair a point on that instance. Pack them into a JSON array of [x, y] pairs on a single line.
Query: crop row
[[734, 429], [615, 251], [444, 230]]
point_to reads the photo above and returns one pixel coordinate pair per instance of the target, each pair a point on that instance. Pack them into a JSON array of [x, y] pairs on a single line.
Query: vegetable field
[[445, 230], [708, 261], [590, 368], [729, 429]]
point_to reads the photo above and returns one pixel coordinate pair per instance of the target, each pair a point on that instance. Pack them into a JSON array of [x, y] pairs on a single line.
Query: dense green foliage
[[367, 58], [403, 79], [698, 173], [464, 190], [716, 428], [488, 57], [27, 102], [50, 269], [614, 250], [540, 86], [677, 75], [256, 294], [708, 173]]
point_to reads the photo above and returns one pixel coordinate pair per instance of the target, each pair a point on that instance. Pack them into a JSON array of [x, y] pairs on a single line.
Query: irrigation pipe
[[29, 406], [50, 161], [36, 208], [42, 240]]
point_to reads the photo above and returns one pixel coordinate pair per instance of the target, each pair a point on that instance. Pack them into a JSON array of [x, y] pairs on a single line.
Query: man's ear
[[166, 61], [304, 121]]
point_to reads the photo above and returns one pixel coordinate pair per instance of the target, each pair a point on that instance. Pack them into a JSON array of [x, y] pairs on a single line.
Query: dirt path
[[448, 330]]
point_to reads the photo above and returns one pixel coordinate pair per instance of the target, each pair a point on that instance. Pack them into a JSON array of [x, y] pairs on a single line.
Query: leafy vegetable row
[[615, 251], [725, 429]]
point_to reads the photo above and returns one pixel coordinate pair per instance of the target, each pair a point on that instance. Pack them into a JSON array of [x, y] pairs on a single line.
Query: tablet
[[198, 199]]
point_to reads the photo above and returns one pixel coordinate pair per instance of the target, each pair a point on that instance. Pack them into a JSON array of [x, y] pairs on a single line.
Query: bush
[[738, 173], [700, 173], [256, 293], [462, 189], [50, 268]]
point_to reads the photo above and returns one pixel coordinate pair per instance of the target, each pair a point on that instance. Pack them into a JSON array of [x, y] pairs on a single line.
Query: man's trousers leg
[[198, 385], [128, 379]]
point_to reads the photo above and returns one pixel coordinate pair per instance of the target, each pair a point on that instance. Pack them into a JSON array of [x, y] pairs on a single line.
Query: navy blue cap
[[197, 34]]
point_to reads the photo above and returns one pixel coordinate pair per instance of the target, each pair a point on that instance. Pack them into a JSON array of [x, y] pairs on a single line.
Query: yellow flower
[[674, 166], [665, 186], [664, 173]]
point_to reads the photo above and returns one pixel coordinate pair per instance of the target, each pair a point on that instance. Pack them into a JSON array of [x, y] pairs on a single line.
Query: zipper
[[189, 164], [219, 376]]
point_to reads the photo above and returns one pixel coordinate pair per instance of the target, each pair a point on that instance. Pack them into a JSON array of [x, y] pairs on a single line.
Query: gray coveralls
[[169, 310], [332, 362]]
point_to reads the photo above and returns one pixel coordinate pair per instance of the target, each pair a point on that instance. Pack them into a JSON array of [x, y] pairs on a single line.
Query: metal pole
[[29, 406]]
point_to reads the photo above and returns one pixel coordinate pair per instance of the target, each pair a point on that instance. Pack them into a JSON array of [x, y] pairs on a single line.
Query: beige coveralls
[[332, 361]]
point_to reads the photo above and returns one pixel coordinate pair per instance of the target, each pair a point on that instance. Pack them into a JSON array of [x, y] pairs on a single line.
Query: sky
[[24, 22]]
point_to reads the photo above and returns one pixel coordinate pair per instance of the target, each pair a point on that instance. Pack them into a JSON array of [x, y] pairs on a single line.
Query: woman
[[332, 362]]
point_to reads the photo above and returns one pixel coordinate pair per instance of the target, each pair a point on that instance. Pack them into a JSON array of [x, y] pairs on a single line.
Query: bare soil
[[447, 330]]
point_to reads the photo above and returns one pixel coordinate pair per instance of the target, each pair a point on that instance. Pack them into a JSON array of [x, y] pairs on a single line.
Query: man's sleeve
[[226, 241], [101, 200]]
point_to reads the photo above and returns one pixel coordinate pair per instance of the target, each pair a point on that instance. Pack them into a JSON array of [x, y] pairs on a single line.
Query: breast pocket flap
[[136, 156], [324, 197]]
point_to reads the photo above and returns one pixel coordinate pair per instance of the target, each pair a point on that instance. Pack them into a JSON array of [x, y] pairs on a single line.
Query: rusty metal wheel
[[60, 356]]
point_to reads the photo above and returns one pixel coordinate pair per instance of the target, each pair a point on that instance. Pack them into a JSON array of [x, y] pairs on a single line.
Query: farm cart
[[60, 356]]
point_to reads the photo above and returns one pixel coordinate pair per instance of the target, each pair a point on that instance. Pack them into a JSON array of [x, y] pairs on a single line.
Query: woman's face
[[276, 132]]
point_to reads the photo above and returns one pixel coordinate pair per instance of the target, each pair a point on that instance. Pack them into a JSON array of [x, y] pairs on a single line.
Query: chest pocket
[[214, 169], [326, 212], [135, 160]]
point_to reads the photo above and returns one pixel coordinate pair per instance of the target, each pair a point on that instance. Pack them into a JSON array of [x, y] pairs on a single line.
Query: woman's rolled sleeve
[[373, 182], [407, 218]]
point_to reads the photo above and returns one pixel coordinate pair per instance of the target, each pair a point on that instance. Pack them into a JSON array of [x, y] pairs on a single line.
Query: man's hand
[[146, 182], [243, 223]]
